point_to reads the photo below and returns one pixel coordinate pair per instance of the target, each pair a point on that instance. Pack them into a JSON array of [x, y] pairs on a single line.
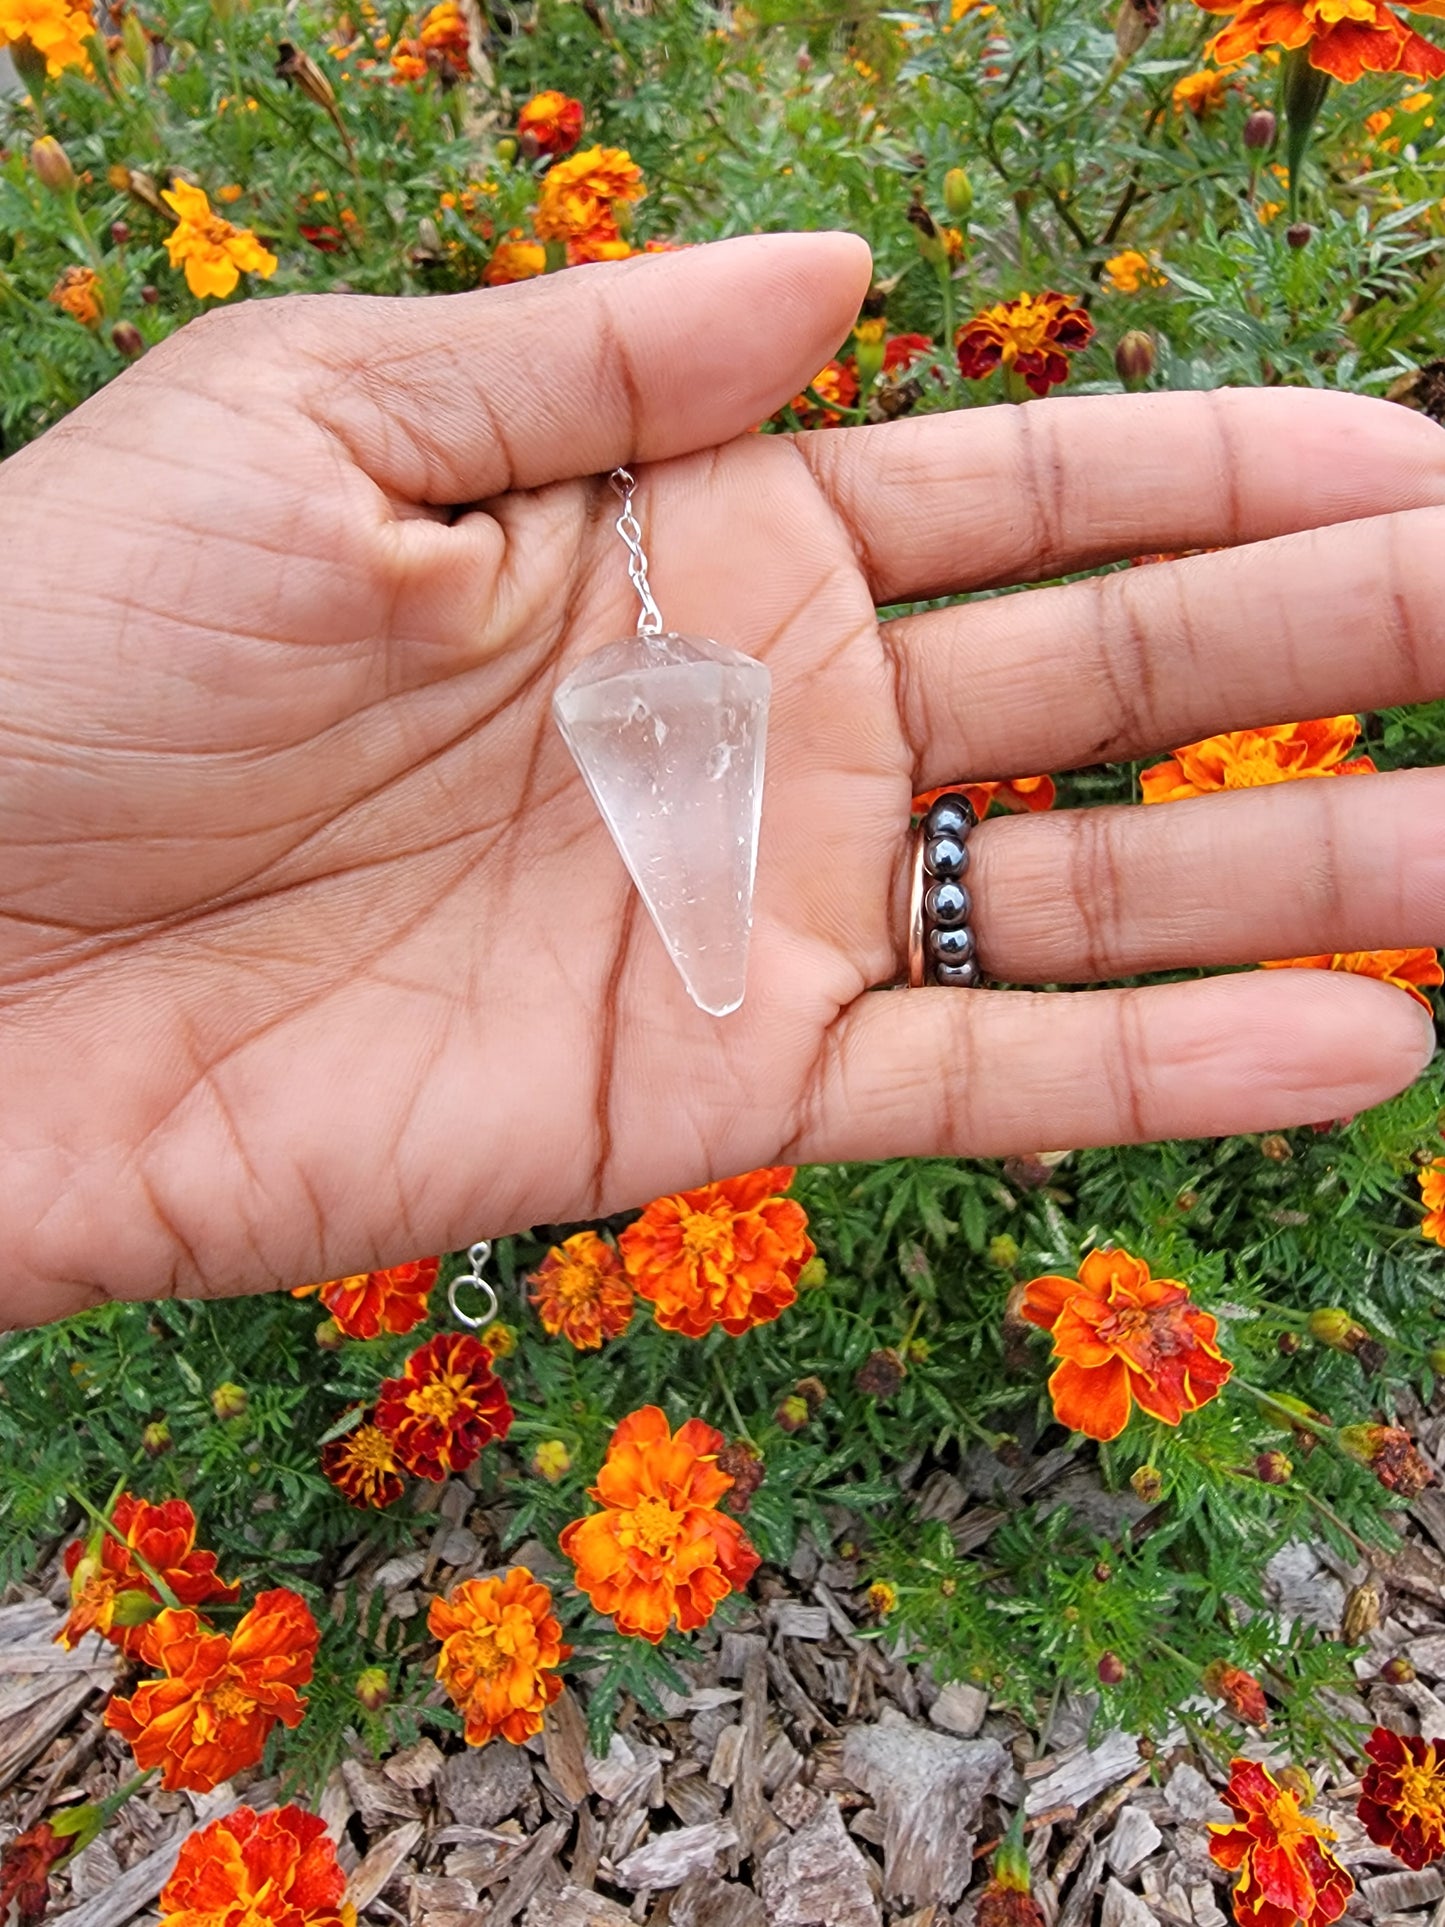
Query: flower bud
[[230, 1401], [132, 1607], [814, 1392], [127, 340], [1299, 234], [1103, 1571], [792, 1413], [813, 1276], [1260, 128], [1186, 1201], [1147, 1484], [880, 1374], [1398, 1671], [1437, 1360], [120, 232], [1111, 1669], [373, 1688], [1389, 1452], [804, 62], [1273, 1468], [150, 294], [957, 192], [1298, 1782], [1362, 1612], [50, 165], [499, 1339], [1275, 1148], [1134, 358], [1240, 1691], [1287, 1344], [329, 1336], [552, 1461], [507, 150], [155, 1438], [1133, 24], [925, 232], [1003, 1251], [1329, 1325]]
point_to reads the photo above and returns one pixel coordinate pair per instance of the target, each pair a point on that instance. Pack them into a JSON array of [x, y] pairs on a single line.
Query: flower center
[[371, 1450], [1329, 13], [653, 1527], [439, 1400], [231, 1700], [576, 1285], [1422, 1794], [1130, 1321], [703, 1234]]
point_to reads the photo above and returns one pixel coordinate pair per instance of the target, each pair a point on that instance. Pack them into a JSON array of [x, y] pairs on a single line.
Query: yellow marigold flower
[[552, 1461], [230, 194], [515, 261], [78, 293], [56, 29], [215, 254], [1131, 270], [581, 194], [1199, 94], [1432, 1196], [882, 1598]]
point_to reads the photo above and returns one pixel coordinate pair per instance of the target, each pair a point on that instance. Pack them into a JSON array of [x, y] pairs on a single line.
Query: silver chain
[[649, 623], [477, 1256]]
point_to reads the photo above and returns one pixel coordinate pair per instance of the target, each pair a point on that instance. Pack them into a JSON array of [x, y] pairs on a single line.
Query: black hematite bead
[[951, 946], [951, 816], [945, 856], [947, 903], [960, 975]]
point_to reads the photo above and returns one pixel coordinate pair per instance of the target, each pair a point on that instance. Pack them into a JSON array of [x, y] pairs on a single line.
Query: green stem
[[142, 1564], [945, 289], [1304, 88], [739, 1423]]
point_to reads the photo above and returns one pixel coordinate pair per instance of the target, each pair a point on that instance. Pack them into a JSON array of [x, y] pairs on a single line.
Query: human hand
[[314, 954]]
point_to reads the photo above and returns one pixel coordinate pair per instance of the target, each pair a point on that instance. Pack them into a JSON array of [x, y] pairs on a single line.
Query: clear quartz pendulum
[[669, 733]]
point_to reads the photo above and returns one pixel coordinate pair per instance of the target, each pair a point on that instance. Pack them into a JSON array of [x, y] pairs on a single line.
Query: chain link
[[649, 622]]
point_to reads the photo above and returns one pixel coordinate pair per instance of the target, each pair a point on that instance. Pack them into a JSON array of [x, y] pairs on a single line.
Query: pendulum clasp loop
[[649, 622], [477, 1256]]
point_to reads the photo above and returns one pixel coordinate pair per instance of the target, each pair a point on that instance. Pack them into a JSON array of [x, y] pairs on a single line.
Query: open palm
[[313, 952]]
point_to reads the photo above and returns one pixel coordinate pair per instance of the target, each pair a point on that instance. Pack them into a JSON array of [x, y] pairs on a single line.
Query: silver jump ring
[[477, 1256]]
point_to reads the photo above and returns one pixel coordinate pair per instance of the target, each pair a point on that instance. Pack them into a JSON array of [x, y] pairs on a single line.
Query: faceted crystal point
[[669, 733]]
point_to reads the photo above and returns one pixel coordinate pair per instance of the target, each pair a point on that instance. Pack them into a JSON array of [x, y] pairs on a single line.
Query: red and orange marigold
[[1346, 38], [25, 1866], [443, 33], [1124, 1339], [1240, 1691], [221, 1693], [515, 260], [250, 1869], [369, 1303], [581, 1291], [501, 1647], [1017, 793], [362, 1465], [659, 1550], [551, 123], [580, 196], [1031, 336], [1402, 1796], [836, 388], [1432, 1196], [1245, 759], [445, 1407], [725, 1254], [1409, 970], [112, 1595], [1287, 1875]]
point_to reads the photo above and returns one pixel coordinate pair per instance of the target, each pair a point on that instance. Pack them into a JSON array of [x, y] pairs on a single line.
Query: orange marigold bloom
[[1406, 969], [443, 34], [1200, 94], [725, 1254], [579, 196], [581, 1291], [551, 122], [78, 293], [1124, 1338], [408, 62], [1240, 1691], [1432, 1196], [25, 1868], [372, 1302], [214, 253], [515, 261], [221, 1693], [1402, 1798], [1017, 793], [1244, 759], [1346, 38], [252, 1869], [1031, 336], [501, 1646], [1131, 270], [660, 1550], [362, 1465], [836, 387], [1287, 1875], [109, 1592], [56, 29], [448, 1404]]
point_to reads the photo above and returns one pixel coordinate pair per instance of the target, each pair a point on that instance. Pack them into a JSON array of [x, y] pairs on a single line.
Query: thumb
[[457, 398]]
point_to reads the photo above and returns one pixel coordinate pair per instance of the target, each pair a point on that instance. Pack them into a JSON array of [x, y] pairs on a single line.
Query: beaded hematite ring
[[940, 936]]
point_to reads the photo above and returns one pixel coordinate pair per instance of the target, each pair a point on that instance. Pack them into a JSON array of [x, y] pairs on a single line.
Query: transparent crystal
[[669, 733]]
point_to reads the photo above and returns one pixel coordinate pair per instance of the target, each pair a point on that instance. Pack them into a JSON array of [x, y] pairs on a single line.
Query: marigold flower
[[882, 1598], [443, 34], [214, 253], [111, 1595], [1017, 793], [1031, 336], [362, 1465], [501, 1646], [56, 29], [515, 261], [1432, 1196], [25, 1868], [1287, 1875], [1390, 1453], [1243, 759], [836, 387], [221, 1694], [1124, 1338], [581, 1291], [448, 1404], [1346, 38], [660, 1550], [1131, 270], [1200, 94], [1240, 1691], [369, 1303], [552, 122], [78, 293], [725, 1254], [1402, 1798], [276, 1869], [579, 196], [552, 1461], [408, 62], [901, 351], [1405, 969]]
